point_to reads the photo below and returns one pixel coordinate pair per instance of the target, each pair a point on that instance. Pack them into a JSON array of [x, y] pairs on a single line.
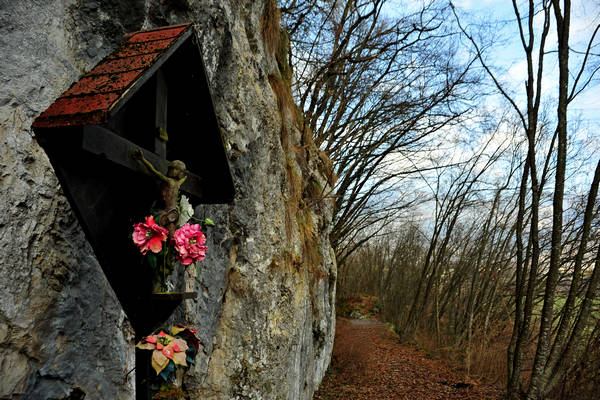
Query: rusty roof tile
[[102, 83], [90, 118], [123, 64], [129, 49], [80, 105], [89, 100], [157, 34]]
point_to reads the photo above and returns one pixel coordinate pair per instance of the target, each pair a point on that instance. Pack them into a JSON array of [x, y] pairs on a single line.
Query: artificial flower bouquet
[[161, 249], [170, 352]]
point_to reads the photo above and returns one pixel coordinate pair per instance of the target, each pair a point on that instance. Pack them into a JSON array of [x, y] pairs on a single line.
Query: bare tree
[[450, 202], [373, 88], [448, 278], [558, 345]]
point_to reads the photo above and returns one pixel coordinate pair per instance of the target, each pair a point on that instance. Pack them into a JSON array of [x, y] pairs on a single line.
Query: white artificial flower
[[185, 211]]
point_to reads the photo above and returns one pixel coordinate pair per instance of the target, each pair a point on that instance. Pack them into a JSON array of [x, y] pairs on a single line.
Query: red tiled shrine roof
[[89, 101]]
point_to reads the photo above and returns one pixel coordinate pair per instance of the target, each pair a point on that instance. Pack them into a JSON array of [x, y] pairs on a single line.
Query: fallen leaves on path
[[369, 362]]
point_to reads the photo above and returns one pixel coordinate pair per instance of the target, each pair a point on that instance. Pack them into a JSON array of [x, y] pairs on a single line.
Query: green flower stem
[[164, 282]]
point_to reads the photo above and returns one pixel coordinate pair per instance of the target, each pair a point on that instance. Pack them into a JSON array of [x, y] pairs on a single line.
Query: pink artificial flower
[[188, 243], [149, 235]]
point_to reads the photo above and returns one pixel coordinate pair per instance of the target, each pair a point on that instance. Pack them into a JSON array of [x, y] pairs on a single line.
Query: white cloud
[[587, 104], [517, 72], [478, 4]]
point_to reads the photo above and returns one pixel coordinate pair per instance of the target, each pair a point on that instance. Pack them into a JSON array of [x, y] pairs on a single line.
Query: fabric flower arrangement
[[169, 352], [185, 245]]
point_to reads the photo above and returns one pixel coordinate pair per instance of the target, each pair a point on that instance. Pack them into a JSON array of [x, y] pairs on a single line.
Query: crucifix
[[176, 174], [169, 190]]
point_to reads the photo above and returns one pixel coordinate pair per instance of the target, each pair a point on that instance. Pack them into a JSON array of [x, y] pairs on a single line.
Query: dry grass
[[285, 103], [283, 93], [296, 176], [326, 168], [172, 393], [488, 356], [269, 25], [301, 188], [294, 195], [488, 361]]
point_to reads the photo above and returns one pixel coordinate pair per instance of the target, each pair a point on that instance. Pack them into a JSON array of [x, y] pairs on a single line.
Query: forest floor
[[369, 362]]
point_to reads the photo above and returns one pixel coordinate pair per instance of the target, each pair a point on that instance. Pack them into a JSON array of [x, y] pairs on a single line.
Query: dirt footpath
[[369, 363]]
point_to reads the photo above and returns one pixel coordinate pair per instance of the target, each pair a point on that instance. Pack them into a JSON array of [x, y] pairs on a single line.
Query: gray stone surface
[[265, 306]]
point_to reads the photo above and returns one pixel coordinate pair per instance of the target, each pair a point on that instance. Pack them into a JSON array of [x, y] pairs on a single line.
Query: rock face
[[266, 289]]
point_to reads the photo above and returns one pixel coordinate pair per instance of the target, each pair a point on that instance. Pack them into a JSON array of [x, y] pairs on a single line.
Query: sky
[[507, 55], [510, 67], [585, 16], [584, 115]]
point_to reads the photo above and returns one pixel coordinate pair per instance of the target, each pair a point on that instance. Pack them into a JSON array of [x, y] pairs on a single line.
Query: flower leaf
[[145, 346], [159, 361], [152, 260], [168, 370], [186, 211], [180, 358]]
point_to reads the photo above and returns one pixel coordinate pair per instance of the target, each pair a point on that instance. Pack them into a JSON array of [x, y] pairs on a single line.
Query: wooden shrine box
[[154, 83]]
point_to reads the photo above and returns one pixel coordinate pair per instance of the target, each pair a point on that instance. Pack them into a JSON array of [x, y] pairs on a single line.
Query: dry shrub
[[488, 354], [488, 361], [584, 380], [365, 305]]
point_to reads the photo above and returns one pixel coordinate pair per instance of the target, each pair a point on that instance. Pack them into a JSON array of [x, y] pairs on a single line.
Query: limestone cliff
[[266, 289]]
